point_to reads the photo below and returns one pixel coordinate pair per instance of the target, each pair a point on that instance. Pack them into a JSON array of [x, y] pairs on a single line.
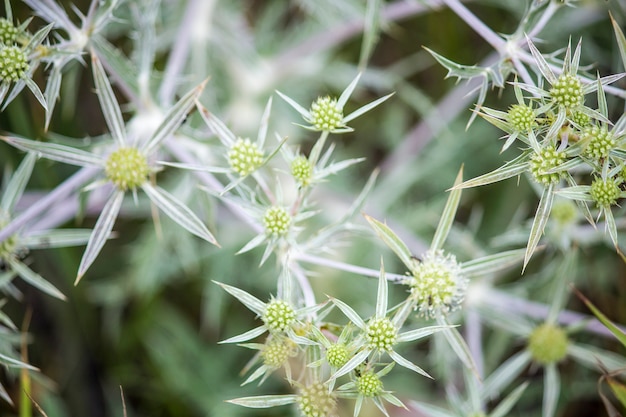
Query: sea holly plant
[[437, 282], [563, 138], [126, 166]]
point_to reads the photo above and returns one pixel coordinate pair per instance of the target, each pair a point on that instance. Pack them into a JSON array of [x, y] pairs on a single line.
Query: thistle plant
[[355, 274]]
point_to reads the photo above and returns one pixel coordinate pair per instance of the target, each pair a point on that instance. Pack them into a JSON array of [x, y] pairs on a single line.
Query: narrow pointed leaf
[[618, 389], [539, 223], [345, 95], [621, 40], [108, 103], [256, 241], [51, 93], [101, 232], [34, 88], [541, 62], [400, 360], [493, 263], [174, 118], [511, 169], [58, 238], [458, 344], [447, 217], [244, 337], [500, 379], [9, 361], [551, 390], [178, 212], [35, 279], [457, 70], [254, 304], [365, 109], [265, 401], [350, 313], [392, 240], [60, 153], [303, 112], [610, 224], [265, 120], [620, 335], [382, 294], [17, 184], [505, 406], [415, 334]]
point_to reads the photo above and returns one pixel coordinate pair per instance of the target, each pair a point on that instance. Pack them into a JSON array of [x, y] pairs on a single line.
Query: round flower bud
[[581, 119], [548, 344], [544, 161], [276, 352], [567, 91], [337, 355], [278, 316], [276, 221], [8, 32], [438, 284], [315, 401], [127, 168], [302, 170], [369, 384], [245, 157], [13, 64], [605, 192], [325, 114], [381, 334], [521, 117], [563, 211], [599, 142]]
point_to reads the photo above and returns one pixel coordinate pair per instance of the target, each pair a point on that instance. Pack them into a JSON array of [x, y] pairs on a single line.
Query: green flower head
[[521, 117], [315, 401], [245, 157], [381, 334], [605, 192], [599, 142], [127, 168], [13, 64], [548, 344], [326, 115], [278, 316], [546, 160], [369, 384], [567, 91], [8, 32], [276, 221]]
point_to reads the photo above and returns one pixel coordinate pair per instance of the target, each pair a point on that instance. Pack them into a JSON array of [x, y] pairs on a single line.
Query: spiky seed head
[[605, 192], [127, 168], [8, 32], [381, 334], [276, 221], [438, 284], [276, 352], [547, 159], [599, 142], [302, 170], [369, 384], [548, 344], [325, 114], [245, 157], [521, 117], [337, 355], [13, 64], [316, 401], [278, 316], [567, 91]]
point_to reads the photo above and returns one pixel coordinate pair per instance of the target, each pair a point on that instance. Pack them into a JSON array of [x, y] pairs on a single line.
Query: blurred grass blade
[[621, 40], [345, 95], [449, 212], [620, 335], [178, 212], [392, 240], [458, 345], [500, 379], [56, 238], [382, 293], [370, 31]]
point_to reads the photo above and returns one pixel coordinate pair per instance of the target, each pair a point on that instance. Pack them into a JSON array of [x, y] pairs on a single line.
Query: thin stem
[[342, 266]]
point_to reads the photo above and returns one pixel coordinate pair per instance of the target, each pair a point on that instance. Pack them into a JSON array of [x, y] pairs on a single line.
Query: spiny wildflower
[[276, 221], [8, 32], [13, 64], [599, 141], [245, 157], [521, 117], [438, 284], [369, 384], [278, 315], [546, 160], [605, 192], [567, 91], [127, 168], [315, 400], [302, 170]]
